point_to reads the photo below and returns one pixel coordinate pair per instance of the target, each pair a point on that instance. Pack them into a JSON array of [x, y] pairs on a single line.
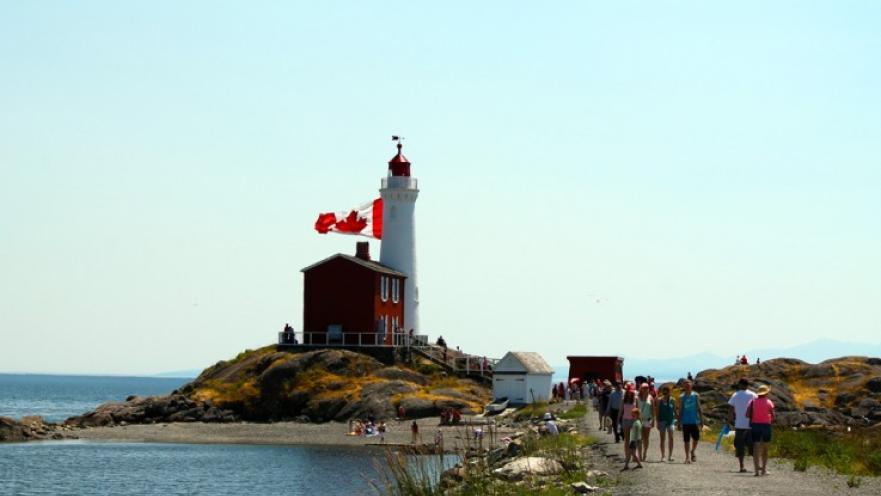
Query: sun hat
[[607, 382], [763, 390], [547, 416]]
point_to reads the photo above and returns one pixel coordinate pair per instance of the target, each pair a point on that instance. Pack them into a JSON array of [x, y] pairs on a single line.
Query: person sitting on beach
[[358, 430], [455, 417]]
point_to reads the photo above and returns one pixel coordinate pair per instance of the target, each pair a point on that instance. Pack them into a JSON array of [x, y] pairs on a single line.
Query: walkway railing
[[360, 339]]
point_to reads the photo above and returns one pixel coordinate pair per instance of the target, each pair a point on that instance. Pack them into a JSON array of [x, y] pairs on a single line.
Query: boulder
[[395, 373], [874, 385], [386, 389], [419, 407], [583, 487], [528, 465]]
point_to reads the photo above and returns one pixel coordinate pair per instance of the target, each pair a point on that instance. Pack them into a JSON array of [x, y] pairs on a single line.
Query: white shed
[[523, 377]]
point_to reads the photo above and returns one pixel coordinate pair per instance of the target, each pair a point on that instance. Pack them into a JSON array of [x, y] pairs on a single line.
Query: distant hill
[[674, 368]]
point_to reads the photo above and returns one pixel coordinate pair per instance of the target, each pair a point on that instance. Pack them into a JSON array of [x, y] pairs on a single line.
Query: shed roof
[[374, 266], [531, 361]]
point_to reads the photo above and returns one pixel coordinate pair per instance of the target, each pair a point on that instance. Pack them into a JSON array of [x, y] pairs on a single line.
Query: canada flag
[[365, 220]]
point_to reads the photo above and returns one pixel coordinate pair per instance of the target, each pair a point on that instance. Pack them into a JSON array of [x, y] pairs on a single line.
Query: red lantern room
[[399, 165]]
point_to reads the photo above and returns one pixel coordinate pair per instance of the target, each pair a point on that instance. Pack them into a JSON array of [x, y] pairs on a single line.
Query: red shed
[[352, 300], [596, 367]]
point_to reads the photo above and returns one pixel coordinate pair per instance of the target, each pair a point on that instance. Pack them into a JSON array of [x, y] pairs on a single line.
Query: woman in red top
[[760, 413]]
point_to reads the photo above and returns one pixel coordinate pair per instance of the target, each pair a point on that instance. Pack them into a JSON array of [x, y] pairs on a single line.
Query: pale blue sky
[[708, 171]]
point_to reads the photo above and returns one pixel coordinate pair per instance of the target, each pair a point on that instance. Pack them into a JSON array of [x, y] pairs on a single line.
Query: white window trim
[[396, 289], [383, 288]]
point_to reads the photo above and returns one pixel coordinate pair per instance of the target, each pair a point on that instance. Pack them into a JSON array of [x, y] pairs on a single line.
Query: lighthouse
[[398, 251]]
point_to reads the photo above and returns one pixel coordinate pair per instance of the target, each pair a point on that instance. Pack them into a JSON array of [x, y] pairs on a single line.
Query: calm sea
[[57, 397], [109, 468]]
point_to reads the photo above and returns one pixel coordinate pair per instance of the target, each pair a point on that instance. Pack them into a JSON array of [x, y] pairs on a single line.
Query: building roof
[[599, 357], [531, 361], [369, 264]]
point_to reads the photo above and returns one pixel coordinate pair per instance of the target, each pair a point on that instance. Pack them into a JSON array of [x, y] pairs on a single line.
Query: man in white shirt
[[737, 411]]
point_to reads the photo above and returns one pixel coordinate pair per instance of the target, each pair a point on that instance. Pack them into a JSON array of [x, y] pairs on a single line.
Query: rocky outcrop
[[150, 410], [315, 386], [842, 391], [27, 429]]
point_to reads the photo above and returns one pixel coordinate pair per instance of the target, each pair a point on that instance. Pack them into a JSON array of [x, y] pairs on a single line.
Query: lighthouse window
[[396, 289], [383, 288]]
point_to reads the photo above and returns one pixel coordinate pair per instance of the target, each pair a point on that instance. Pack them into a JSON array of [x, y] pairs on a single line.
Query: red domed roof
[[399, 165]]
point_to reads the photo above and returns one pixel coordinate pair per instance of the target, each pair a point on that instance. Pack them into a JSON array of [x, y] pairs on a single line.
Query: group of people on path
[[631, 412]]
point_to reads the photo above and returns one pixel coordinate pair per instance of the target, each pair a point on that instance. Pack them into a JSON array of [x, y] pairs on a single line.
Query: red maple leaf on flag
[[352, 223]]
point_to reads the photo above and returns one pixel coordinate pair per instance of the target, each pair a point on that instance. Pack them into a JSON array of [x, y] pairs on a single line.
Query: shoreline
[[277, 433]]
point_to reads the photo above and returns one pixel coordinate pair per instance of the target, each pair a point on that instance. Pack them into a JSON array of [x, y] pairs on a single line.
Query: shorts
[[743, 442], [664, 426], [761, 433], [632, 445], [625, 424], [691, 431]]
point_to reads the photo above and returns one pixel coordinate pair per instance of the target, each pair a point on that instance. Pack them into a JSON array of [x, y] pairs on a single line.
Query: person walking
[[414, 432], [614, 407], [625, 416], [603, 394], [761, 415], [691, 420], [738, 405], [635, 442], [665, 413], [646, 406]]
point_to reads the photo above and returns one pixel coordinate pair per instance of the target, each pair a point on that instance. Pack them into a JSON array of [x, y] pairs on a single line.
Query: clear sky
[[637, 178]]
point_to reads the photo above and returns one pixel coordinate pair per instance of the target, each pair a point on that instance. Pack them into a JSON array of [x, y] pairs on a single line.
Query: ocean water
[[57, 397], [88, 468], [117, 468]]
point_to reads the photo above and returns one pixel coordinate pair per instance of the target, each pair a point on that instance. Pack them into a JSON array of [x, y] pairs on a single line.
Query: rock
[[874, 384], [419, 407], [873, 361], [395, 373], [384, 390], [596, 474], [529, 465], [582, 487]]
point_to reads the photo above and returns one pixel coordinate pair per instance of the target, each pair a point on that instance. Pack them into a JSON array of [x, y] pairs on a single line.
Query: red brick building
[[352, 300]]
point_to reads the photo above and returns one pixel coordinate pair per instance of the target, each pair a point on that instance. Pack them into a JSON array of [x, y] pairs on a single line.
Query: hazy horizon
[[636, 179]]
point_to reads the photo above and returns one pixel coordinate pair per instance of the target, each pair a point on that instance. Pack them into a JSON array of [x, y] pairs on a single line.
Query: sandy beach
[[331, 433]]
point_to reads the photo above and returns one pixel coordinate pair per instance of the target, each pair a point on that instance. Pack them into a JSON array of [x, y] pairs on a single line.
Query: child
[[635, 441]]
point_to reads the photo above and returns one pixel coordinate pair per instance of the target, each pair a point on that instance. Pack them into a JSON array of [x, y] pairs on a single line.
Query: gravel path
[[715, 473]]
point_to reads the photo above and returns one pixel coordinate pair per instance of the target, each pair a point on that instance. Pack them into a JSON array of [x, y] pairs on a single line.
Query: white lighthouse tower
[[398, 251]]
